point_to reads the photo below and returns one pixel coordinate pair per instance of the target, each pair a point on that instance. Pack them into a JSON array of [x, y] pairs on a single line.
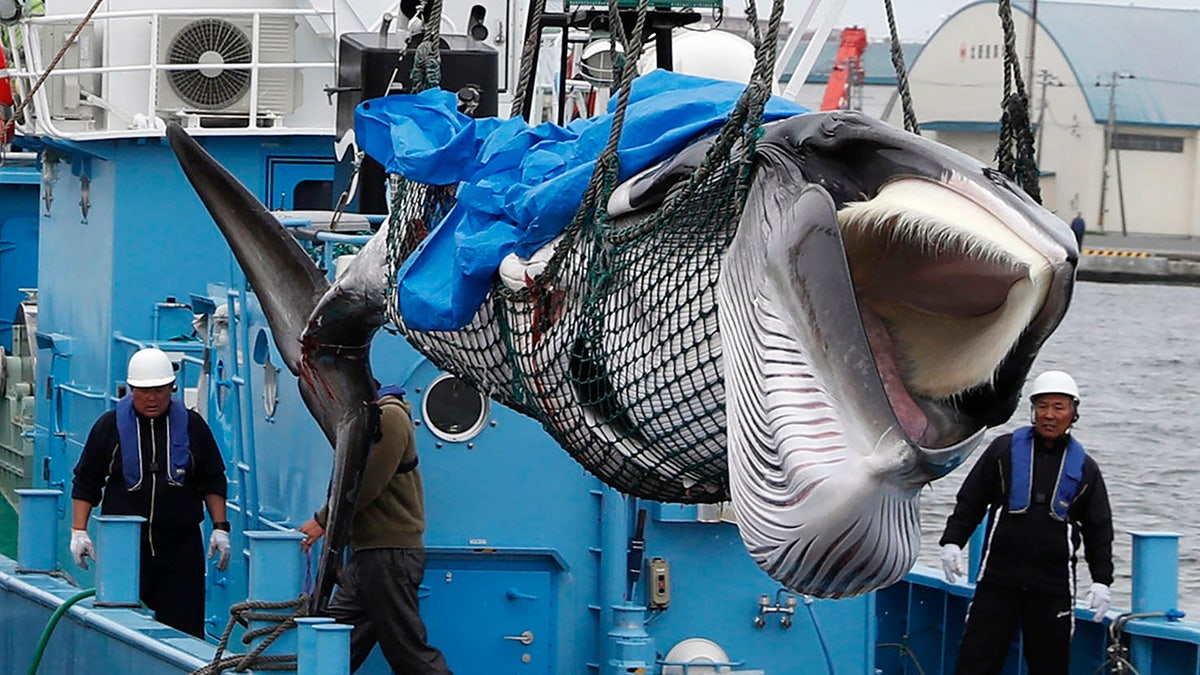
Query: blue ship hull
[[527, 553]]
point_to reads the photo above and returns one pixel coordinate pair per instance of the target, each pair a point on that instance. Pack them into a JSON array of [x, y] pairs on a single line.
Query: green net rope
[[614, 348]]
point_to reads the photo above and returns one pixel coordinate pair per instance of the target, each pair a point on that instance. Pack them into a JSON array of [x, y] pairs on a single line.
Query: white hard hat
[[1054, 382], [150, 367]]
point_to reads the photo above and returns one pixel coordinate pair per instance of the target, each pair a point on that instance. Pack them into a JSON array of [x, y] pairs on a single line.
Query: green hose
[[49, 630]]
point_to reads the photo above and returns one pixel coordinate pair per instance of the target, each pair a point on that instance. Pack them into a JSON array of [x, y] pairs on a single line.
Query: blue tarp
[[519, 186]]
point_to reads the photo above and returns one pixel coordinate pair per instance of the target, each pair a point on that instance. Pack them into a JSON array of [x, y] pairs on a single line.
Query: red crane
[[848, 64]]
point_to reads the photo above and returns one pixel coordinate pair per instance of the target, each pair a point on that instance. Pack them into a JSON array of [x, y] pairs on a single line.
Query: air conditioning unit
[[212, 42]]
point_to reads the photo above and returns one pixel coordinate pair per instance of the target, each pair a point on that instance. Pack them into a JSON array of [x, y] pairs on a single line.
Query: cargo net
[[614, 345]]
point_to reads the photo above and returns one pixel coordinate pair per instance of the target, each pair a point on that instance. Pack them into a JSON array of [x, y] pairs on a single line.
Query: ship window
[[313, 195], [453, 410]]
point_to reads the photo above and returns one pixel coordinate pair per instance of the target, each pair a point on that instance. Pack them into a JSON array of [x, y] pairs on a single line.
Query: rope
[[245, 612], [12, 123], [1015, 154], [427, 61], [744, 122], [910, 117], [529, 49], [586, 308]]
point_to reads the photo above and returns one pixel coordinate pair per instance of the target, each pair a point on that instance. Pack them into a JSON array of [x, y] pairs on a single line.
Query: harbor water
[[1135, 352]]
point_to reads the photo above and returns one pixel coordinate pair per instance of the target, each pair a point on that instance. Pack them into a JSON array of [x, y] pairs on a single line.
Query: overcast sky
[[917, 19]]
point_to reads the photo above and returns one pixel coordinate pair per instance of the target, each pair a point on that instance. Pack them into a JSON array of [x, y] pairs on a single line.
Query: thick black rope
[[427, 62], [528, 52], [745, 122], [245, 612], [1015, 155], [910, 117]]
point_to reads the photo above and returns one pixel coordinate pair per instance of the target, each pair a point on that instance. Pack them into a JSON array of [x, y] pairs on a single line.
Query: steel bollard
[[333, 649], [306, 643], [37, 533], [276, 575], [118, 560]]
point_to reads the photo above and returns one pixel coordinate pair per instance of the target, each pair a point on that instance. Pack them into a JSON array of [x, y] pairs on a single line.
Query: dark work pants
[[378, 596], [1046, 622], [172, 580]]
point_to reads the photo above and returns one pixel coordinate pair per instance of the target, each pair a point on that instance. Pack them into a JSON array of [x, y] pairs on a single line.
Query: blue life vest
[[129, 439], [1067, 485]]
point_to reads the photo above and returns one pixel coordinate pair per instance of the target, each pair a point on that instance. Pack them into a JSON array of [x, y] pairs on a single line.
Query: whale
[[874, 309]]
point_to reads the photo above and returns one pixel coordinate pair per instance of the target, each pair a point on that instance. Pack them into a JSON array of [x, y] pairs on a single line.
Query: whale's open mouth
[[945, 288]]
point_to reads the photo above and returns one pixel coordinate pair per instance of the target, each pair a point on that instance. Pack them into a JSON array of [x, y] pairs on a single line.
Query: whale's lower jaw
[[836, 545]]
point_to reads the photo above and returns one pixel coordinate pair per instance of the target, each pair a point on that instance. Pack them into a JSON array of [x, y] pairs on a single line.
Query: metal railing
[[131, 118]]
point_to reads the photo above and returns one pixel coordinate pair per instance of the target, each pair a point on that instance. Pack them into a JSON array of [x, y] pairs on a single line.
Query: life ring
[[6, 102]]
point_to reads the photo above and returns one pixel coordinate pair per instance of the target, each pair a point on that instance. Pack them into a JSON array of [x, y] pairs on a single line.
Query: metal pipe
[[118, 560], [794, 39], [19, 156], [83, 393], [37, 531], [239, 334], [809, 58], [138, 14], [101, 70]]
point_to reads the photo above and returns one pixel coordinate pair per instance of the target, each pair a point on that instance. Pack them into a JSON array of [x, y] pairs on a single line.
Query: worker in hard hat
[[152, 457], [1042, 494]]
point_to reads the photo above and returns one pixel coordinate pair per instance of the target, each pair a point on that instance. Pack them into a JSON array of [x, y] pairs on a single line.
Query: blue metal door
[[490, 622]]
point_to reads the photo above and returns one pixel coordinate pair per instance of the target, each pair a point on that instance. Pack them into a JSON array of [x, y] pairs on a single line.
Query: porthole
[[270, 387], [262, 356], [453, 410]]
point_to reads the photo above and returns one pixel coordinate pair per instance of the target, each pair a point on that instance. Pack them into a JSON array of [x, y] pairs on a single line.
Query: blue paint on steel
[[333, 649], [89, 640], [18, 239], [306, 643], [118, 560], [276, 573], [630, 647], [614, 538], [514, 525], [37, 534], [18, 260], [1155, 571]]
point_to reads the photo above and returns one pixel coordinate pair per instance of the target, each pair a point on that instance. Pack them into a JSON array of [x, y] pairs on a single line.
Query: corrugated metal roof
[[1158, 47], [877, 62]]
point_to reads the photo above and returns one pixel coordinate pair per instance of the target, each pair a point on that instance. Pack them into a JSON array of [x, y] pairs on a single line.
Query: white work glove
[[1099, 598], [952, 562], [219, 543], [81, 547]]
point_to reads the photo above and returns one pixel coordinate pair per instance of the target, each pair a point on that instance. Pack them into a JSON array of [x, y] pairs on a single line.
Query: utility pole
[[1109, 132], [1033, 26], [1046, 79]]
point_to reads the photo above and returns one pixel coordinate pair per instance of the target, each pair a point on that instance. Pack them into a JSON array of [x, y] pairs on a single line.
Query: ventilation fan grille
[[211, 43]]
